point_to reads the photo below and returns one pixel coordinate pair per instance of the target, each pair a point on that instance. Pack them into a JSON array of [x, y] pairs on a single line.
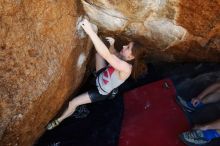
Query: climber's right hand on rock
[[88, 27]]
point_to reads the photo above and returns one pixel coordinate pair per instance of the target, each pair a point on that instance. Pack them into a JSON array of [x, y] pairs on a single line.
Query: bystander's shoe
[[194, 138], [185, 105]]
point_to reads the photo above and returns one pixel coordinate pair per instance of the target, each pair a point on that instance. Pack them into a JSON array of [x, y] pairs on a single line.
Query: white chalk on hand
[[79, 30]]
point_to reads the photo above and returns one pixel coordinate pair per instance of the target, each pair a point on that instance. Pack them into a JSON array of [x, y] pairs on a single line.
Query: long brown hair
[[138, 63]]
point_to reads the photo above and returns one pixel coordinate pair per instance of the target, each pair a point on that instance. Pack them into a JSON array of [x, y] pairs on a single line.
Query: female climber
[[129, 61]]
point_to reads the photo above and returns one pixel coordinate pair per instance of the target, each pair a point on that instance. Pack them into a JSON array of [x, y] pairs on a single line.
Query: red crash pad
[[152, 117]]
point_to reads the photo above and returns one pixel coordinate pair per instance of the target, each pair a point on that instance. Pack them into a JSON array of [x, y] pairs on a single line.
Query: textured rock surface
[[42, 61], [43, 51], [172, 30]]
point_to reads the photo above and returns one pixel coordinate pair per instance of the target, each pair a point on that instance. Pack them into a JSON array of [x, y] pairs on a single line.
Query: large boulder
[[43, 51], [171, 30], [42, 61]]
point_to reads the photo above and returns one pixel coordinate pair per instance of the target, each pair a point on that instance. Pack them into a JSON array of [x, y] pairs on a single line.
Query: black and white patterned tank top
[[108, 80]]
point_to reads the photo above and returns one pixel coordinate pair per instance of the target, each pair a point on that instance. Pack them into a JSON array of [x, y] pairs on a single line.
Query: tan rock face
[[172, 30], [42, 60], [43, 51]]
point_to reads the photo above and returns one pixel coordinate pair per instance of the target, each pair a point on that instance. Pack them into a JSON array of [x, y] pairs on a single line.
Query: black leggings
[[96, 96]]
